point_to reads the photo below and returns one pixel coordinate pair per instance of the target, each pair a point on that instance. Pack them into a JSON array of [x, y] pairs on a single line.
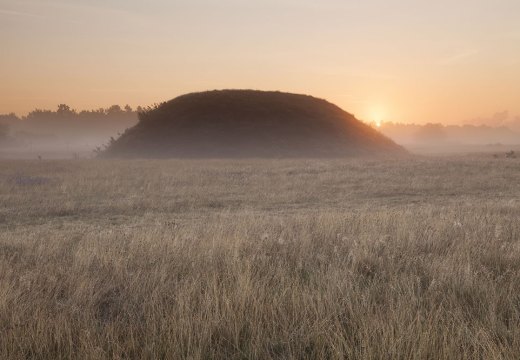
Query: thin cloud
[[20, 13], [515, 34], [459, 57], [75, 12], [93, 9]]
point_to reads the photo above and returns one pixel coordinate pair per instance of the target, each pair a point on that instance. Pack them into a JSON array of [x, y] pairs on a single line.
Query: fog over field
[[68, 133], [496, 133], [62, 133]]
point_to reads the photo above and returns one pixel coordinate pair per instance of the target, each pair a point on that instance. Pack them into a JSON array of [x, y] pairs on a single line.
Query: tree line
[[64, 111], [66, 122]]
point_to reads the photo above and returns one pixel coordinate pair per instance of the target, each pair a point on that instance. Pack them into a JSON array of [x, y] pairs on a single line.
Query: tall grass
[[416, 259]]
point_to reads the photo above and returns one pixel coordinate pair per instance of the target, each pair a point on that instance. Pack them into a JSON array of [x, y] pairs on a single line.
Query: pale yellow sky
[[404, 60]]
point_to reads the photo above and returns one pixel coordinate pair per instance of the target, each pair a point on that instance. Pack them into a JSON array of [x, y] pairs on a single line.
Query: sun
[[377, 115]]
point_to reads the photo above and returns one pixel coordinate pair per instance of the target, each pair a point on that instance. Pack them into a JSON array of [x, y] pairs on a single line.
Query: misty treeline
[[65, 119], [66, 127], [435, 133]]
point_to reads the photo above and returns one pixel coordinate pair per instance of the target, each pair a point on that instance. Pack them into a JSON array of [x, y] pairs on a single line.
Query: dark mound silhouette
[[248, 123]]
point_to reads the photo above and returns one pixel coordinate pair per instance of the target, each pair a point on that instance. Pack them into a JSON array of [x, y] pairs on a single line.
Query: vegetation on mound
[[248, 123]]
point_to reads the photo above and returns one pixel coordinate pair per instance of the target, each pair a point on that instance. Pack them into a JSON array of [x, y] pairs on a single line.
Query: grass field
[[416, 258]]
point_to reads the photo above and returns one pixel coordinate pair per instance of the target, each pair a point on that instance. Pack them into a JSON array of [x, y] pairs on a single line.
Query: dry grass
[[415, 259]]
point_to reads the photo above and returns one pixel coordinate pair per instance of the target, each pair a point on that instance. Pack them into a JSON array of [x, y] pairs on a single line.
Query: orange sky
[[403, 60]]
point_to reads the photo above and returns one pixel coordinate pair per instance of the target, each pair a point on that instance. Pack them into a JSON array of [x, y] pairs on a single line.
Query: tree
[[7, 118], [114, 110], [64, 109]]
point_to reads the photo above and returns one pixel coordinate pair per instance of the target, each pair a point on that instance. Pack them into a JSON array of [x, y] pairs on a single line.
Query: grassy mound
[[248, 123]]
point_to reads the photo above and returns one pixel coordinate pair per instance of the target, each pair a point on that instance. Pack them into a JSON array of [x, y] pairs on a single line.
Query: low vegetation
[[404, 259]]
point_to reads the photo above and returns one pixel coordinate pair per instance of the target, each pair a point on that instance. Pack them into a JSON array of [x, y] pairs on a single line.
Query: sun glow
[[377, 116]]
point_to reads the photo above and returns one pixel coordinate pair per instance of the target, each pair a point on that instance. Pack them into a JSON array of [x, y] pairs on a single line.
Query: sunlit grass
[[416, 258]]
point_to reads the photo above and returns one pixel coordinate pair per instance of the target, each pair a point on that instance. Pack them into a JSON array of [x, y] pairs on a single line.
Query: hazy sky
[[403, 60]]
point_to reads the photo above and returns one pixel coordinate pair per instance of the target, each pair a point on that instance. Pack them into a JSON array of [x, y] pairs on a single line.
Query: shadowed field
[[357, 259]]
